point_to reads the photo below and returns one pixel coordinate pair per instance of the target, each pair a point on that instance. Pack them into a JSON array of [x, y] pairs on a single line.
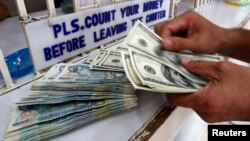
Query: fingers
[[203, 68], [178, 44], [175, 26], [158, 28], [172, 27]]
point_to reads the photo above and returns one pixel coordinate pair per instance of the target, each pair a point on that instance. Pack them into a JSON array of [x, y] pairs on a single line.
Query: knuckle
[[223, 65], [190, 13], [157, 28], [196, 64]]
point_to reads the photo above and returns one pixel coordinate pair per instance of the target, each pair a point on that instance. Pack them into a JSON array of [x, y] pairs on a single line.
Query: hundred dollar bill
[[86, 56], [143, 39], [122, 50], [159, 76], [194, 56], [93, 56], [98, 57], [131, 74], [102, 62], [112, 61]]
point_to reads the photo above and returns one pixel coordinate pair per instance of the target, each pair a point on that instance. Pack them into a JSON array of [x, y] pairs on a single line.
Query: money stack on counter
[[70, 95], [150, 68]]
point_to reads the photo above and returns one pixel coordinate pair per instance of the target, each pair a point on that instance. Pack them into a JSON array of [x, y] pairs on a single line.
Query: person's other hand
[[225, 98], [190, 31]]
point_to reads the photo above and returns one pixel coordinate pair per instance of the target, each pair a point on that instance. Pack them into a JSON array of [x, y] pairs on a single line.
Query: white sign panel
[[60, 38]]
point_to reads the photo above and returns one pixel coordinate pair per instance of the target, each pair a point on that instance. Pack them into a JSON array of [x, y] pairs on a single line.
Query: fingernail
[[185, 60], [167, 44]]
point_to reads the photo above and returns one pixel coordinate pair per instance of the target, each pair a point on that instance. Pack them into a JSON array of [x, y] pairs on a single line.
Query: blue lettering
[[65, 32], [155, 16], [102, 33], [69, 46], [55, 51], [62, 47], [88, 22], [75, 43], [75, 25], [130, 10], [113, 14], [100, 18], [110, 31], [58, 50], [47, 54], [56, 29], [95, 20], [135, 20], [161, 2], [96, 39], [82, 41], [113, 29], [152, 5], [123, 12]]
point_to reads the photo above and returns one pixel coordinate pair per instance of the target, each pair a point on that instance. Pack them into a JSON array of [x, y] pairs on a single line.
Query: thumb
[[177, 44], [202, 68]]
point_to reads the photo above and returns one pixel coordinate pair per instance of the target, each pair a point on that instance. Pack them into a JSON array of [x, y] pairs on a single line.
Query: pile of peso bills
[[68, 96], [150, 68]]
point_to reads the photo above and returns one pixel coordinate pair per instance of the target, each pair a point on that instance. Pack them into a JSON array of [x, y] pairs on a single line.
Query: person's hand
[[191, 31], [226, 97]]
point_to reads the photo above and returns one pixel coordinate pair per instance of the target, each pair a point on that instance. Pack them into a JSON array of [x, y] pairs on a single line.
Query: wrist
[[235, 44], [226, 41]]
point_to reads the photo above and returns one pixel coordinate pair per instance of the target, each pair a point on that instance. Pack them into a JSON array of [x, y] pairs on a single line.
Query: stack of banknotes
[[68, 96], [150, 68]]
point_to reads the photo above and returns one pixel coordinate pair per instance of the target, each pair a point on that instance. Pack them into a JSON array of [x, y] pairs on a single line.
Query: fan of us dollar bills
[[150, 68]]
